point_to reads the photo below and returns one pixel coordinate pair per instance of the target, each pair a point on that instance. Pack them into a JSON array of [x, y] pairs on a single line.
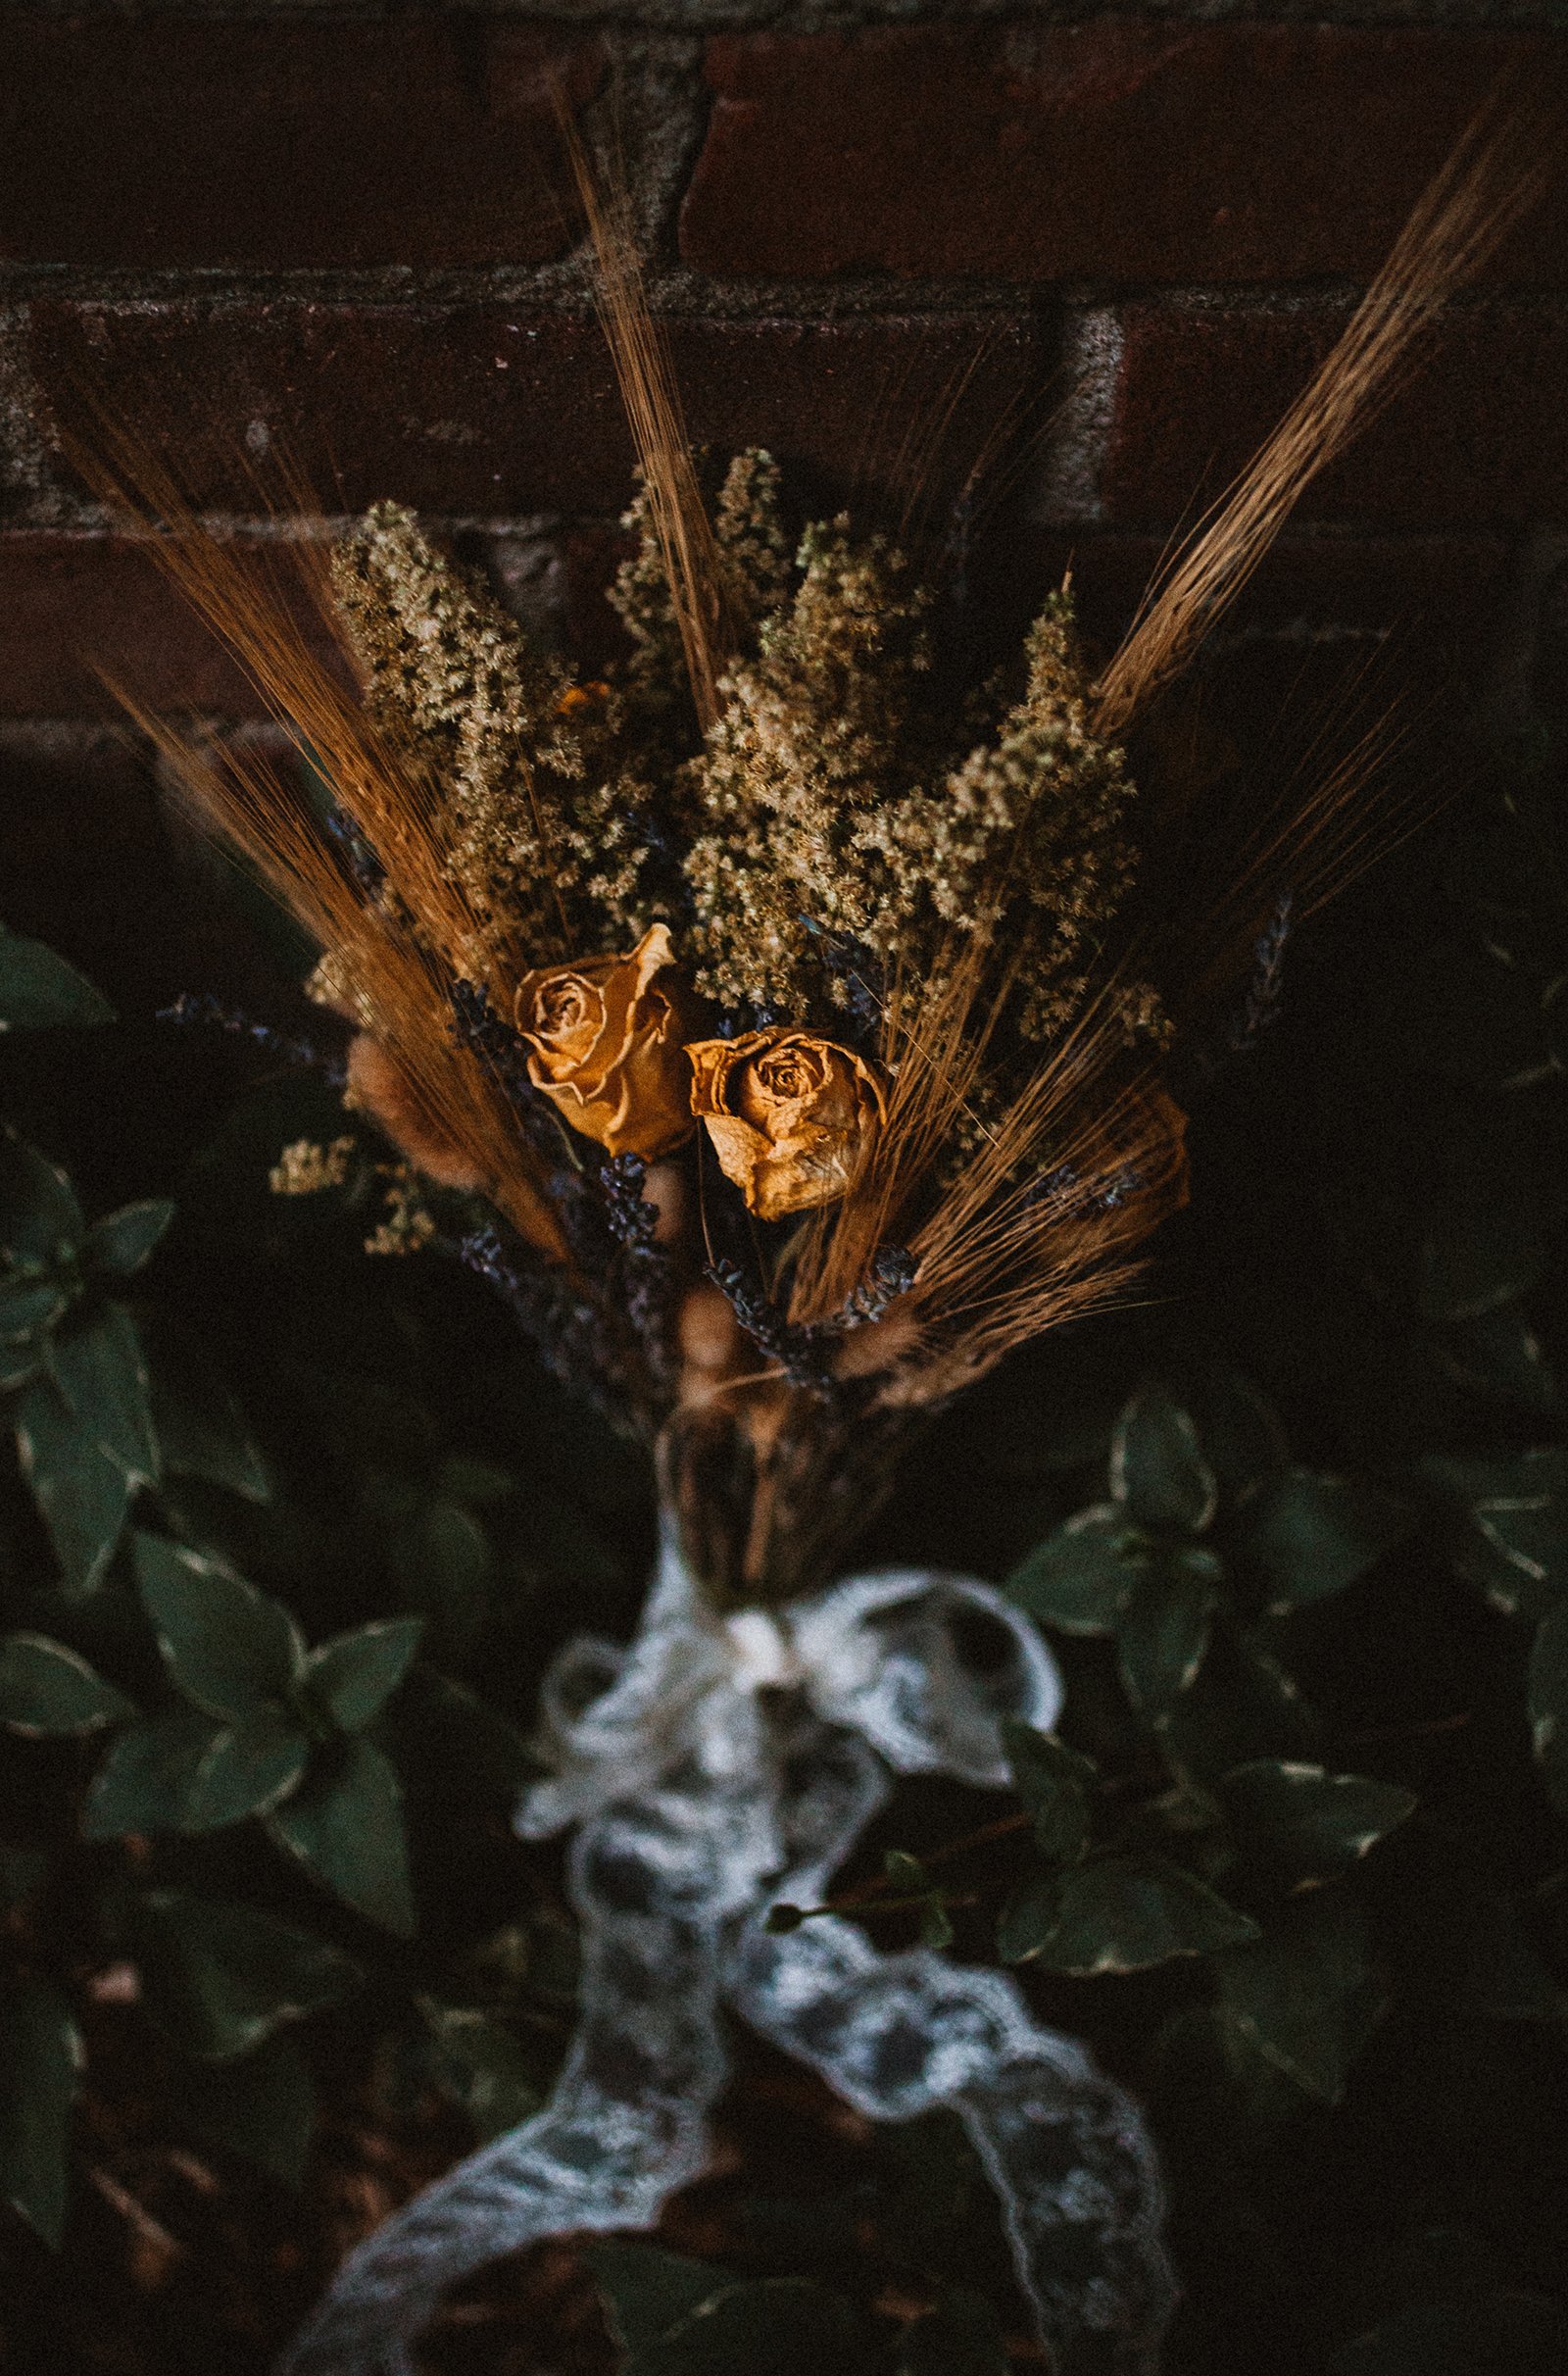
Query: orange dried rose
[[605, 1042], [792, 1116]]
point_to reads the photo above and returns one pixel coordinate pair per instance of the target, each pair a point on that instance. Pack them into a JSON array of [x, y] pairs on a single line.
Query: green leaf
[[40, 1219], [936, 1923], [47, 1689], [1081, 1578], [1309, 1535], [961, 2337], [144, 1783], [1306, 1822], [777, 2326], [1498, 1355], [1163, 1631], [1241, 1434], [1517, 1556], [1121, 1916], [250, 1767], [120, 1244], [218, 1977], [447, 1736], [1055, 1785], [29, 1306], [482, 2066], [1027, 1918], [1157, 1470], [345, 1824], [84, 1495], [647, 2291], [228, 1646], [355, 1674], [1300, 1995], [1548, 1704], [18, 1363], [39, 990], [443, 1563], [98, 1366], [1482, 1258], [199, 1426], [40, 2056], [1514, 1510], [1496, 2333], [262, 2108]]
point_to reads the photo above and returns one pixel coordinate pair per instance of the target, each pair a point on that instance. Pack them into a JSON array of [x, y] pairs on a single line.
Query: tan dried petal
[[605, 1040], [791, 1116]]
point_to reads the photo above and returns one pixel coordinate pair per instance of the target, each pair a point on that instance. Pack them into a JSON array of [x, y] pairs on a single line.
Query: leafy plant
[[1189, 1543], [278, 1593]]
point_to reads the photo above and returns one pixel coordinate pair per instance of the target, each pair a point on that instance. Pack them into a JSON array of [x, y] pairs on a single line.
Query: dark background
[[1095, 256]]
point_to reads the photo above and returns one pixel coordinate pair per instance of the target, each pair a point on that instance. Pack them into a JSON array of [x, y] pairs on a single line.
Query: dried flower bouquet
[[788, 1033]]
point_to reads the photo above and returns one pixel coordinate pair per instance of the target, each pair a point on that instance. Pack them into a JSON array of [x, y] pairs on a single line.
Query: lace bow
[[714, 1766]]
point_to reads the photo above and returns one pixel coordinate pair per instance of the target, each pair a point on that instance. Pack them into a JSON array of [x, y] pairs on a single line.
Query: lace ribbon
[[717, 1765]]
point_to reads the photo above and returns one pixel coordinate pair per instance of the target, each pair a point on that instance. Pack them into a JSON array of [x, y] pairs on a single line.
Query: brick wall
[[1110, 247]]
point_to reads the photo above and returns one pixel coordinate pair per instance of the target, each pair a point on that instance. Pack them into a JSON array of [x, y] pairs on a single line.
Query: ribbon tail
[[625, 2126], [1064, 2147]]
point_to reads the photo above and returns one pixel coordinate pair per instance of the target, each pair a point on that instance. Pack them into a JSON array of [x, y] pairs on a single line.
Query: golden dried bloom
[[1024, 842], [812, 741], [751, 537], [306, 1168], [330, 983], [540, 833], [792, 1117], [408, 1226], [755, 555], [606, 1040]]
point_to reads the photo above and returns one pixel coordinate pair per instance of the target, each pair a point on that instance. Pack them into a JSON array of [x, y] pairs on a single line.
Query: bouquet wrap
[[712, 1764]]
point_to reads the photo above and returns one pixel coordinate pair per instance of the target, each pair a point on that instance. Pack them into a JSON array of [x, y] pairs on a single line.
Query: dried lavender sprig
[[891, 1274], [1066, 1186], [201, 1007], [363, 863], [797, 1352], [646, 1267], [849, 962], [1262, 1005], [477, 1025], [631, 1217], [805, 1351], [565, 1330]]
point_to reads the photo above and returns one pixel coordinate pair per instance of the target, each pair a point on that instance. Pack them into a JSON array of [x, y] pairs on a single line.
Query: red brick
[[1336, 633], [495, 410], [590, 555], [74, 605], [170, 142], [1313, 584], [1117, 149], [1476, 435]]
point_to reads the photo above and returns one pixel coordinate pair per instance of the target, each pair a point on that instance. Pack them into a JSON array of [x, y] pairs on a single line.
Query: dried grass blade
[[651, 396], [1474, 200]]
